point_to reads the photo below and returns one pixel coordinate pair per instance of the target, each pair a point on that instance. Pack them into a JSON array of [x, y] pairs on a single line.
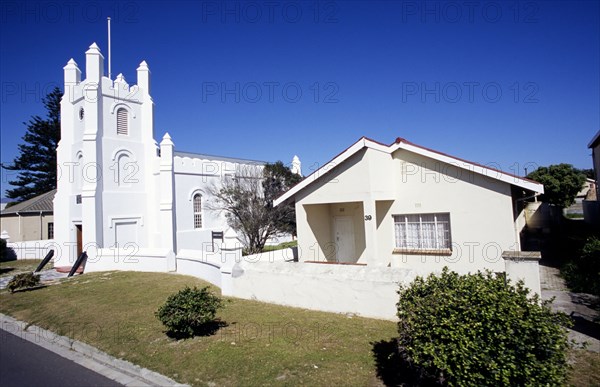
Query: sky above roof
[[511, 85]]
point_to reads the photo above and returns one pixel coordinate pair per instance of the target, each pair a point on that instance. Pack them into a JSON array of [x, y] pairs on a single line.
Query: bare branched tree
[[246, 208]]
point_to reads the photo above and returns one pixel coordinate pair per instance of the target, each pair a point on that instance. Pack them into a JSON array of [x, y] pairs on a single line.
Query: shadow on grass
[[6, 270], [208, 329], [393, 369], [23, 290]]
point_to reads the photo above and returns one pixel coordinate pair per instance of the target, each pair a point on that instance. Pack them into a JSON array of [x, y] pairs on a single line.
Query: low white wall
[[197, 263], [524, 265], [152, 260], [32, 249], [362, 290], [283, 255]]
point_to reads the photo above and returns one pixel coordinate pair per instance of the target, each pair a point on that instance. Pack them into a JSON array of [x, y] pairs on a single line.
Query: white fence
[[32, 249]]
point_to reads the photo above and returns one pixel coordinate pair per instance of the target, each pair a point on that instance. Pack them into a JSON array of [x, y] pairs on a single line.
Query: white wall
[[33, 249]]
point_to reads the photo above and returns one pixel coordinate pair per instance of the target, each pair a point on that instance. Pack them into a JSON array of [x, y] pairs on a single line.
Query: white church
[[121, 196]]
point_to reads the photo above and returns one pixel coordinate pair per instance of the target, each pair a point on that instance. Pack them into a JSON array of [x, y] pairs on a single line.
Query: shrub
[[189, 311], [583, 273], [23, 281], [478, 329], [6, 253]]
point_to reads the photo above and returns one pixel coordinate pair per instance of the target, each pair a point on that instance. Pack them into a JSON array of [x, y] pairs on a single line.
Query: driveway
[[583, 308]]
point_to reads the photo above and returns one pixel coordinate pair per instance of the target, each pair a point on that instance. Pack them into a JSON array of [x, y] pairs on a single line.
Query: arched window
[[122, 121], [197, 211]]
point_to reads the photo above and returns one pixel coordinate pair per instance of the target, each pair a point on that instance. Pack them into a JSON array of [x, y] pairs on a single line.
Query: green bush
[[478, 329], [23, 281], [189, 311], [583, 273]]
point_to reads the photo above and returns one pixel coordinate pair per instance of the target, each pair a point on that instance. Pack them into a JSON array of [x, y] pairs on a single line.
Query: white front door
[[344, 239]]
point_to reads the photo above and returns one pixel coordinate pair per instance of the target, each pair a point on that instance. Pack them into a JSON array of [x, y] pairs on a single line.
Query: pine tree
[[36, 162]]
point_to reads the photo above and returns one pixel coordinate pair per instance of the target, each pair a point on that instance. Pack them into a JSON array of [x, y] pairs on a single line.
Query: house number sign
[[368, 217]]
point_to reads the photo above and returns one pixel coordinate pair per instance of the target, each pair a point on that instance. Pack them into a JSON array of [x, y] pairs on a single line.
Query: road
[[25, 364]]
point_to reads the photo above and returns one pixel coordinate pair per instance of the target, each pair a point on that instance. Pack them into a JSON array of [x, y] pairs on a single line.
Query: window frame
[[198, 221], [50, 230], [444, 249], [119, 120]]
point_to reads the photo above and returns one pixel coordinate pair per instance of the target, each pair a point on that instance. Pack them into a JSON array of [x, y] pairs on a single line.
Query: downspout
[[20, 236], [41, 228]]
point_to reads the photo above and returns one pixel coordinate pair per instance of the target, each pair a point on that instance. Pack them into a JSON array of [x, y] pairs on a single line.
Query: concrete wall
[[33, 249], [369, 292], [27, 227], [132, 259]]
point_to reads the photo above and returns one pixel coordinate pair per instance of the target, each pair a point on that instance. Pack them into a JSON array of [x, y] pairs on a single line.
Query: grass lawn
[[258, 343], [10, 268]]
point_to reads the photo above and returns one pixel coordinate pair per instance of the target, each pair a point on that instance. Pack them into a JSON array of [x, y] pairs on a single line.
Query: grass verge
[[10, 268], [256, 344]]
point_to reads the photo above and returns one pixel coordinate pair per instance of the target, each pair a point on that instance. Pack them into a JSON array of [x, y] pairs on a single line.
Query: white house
[[406, 206], [127, 201]]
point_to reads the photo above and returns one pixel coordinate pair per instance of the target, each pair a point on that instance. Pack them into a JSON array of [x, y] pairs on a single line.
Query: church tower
[[107, 201]]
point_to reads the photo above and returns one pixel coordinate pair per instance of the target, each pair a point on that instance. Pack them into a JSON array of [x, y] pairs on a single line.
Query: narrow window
[[51, 230], [422, 231], [122, 121], [197, 211]]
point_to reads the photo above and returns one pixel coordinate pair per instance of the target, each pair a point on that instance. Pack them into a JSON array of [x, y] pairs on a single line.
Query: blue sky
[[505, 83]]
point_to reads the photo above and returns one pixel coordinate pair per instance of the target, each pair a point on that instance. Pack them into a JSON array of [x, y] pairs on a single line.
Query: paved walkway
[[576, 305], [46, 277]]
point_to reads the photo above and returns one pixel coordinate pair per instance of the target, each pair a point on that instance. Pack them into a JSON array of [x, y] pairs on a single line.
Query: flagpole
[[109, 73]]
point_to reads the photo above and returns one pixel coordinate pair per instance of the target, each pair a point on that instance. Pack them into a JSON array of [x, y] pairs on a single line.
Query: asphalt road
[[25, 364]]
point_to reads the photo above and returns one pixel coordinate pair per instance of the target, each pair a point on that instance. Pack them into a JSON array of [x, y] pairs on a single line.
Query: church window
[[197, 211], [122, 121]]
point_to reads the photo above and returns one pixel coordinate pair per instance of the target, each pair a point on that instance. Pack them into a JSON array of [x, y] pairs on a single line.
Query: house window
[[197, 211], [51, 230], [422, 231], [122, 121]]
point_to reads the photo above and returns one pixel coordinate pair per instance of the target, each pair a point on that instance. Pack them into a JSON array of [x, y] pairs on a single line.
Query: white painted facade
[[349, 211], [121, 197]]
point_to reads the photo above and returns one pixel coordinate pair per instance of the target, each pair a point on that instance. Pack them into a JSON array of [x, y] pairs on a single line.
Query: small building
[[406, 206], [591, 206], [31, 220]]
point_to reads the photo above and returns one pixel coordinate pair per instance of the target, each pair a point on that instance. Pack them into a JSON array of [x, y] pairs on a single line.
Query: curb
[[121, 371]]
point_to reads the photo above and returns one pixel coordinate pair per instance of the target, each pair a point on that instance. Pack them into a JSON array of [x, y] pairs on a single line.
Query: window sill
[[445, 252]]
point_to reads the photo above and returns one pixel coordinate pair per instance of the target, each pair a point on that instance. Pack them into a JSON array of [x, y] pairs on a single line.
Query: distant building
[[31, 220], [591, 208]]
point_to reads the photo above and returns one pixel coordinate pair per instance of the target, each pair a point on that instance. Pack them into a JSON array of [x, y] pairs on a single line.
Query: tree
[[36, 162], [247, 200], [485, 332], [561, 183], [277, 178]]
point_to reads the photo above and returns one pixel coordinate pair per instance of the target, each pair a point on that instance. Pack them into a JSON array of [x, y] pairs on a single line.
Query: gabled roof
[[401, 143], [40, 203], [595, 140]]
